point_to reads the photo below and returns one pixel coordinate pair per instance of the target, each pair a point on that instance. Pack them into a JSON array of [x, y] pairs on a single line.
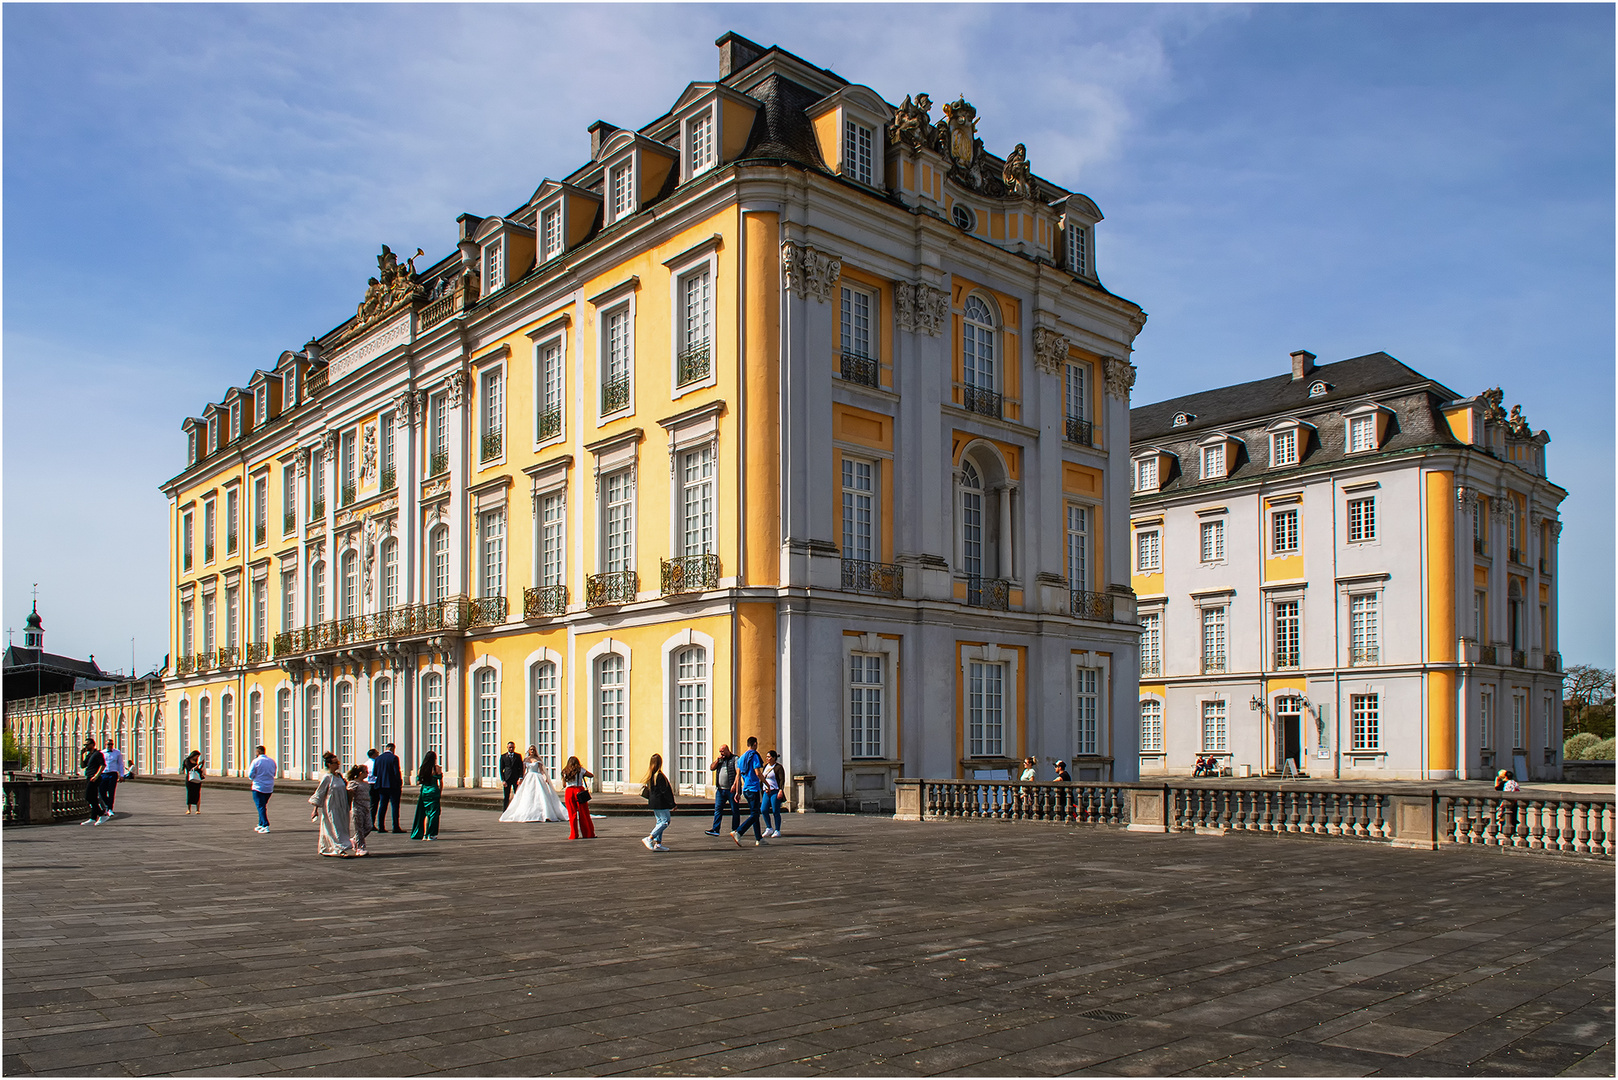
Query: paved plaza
[[161, 944]]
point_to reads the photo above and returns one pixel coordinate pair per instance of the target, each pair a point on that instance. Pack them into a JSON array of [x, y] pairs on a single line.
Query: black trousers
[[109, 789], [92, 795], [384, 797], [505, 799]]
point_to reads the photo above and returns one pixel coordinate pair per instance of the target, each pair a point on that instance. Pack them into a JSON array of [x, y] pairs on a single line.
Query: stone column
[[1007, 565]]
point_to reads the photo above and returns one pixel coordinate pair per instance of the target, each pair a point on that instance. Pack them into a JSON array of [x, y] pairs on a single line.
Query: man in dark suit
[[389, 781], [511, 770]]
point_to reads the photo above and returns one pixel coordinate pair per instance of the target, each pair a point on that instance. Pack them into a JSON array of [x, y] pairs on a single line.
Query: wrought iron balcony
[[488, 611], [456, 613], [1080, 431], [1487, 654], [289, 522], [230, 544], [258, 534], [981, 401], [226, 657], [862, 369], [203, 661], [349, 494], [188, 560], [389, 478], [1359, 655], [1213, 662], [1479, 546], [207, 553], [690, 573], [991, 593], [873, 578], [1091, 605], [1553, 661], [439, 465], [544, 600], [616, 587], [1516, 556], [550, 424], [1519, 658], [185, 664], [492, 442], [318, 511], [692, 365], [258, 652], [615, 395]]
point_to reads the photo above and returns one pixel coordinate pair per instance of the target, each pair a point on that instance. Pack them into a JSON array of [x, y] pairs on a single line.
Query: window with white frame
[[1361, 520], [289, 499], [1486, 720], [699, 142], [382, 711], [492, 553], [1519, 721], [261, 611], [617, 358], [1213, 461], [232, 515], [547, 710], [621, 190], [1513, 537], [550, 233], [1148, 556], [390, 574], [317, 484], [388, 477], [317, 594], [1151, 643], [552, 538], [227, 731], [1078, 247], [261, 509], [191, 445], [1548, 727], [985, 708], [438, 433], [1213, 638], [1480, 608], [492, 413], [696, 502], [1146, 474], [236, 419], [696, 327], [187, 624], [494, 266], [289, 389], [1362, 629], [1213, 541], [1284, 447], [866, 685], [283, 730], [208, 623], [345, 720], [205, 731], [859, 509], [1078, 547], [438, 568], [289, 599], [1087, 704], [488, 706], [618, 522], [1151, 727], [207, 531], [1284, 532], [548, 400], [348, 466], [977, 345], [858, 140], [348, 594], [187, 541], [1286, 633], [232, 619], [1213, 727], [185, 730], [691, 716], [1364, 715], [261, 405], [1076, 390], [971, 521], [612, 714], [858, 307], [1361, 434], [432, 708]]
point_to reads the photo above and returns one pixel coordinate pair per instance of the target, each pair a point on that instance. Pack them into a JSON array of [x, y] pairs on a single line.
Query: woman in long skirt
[[359, 816], [195, 774], [330, 808], [431, 779], [578, 800]]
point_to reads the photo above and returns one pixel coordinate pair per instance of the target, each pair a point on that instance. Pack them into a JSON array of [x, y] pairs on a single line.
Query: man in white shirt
[[110, 775], [261, 771]]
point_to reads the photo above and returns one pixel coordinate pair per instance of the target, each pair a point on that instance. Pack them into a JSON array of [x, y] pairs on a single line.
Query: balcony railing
[[1487, 655], [488, 611], [1213, 662], [692, 365], [317, 512], [544, 600], [185, 664], [1090, 605], [207, 553], [456, 613], [258, 534], [226, 657], [1151, 667], [1080, 431], [389, 479], [862, 369], [492, 441], [439, 465], [258, 652], [349, 493], [690, 573], [991, 593], [188, 560], [203, 661], [1519, 658], [1479, 546], [1553, 661], [289, 523], [873, 578], [230, 544], [1516, 556], [440, 309], [615, 395], [981, 401], [550, 424], [614, 587], [316, 384], [1362, 654]]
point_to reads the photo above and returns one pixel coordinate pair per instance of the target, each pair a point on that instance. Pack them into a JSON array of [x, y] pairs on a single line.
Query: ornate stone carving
[[393, 285], [1019, 179], [1050, 350], [1499, 505], [328, 445], [455, 388], [1466, 498], [960, 129], [404, 407], [920, 308], [913, 124], [1119, 376], [1517, 424], [808, 271], [1492, 412], [368, 456], [302, 461], [435, 488], [420, 397], [1556, 529]]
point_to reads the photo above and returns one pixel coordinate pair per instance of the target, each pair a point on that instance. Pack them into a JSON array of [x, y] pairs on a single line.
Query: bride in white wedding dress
[[535, 799]]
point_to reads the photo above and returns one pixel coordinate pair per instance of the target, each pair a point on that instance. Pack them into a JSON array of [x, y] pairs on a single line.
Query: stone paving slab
[[856, 946]]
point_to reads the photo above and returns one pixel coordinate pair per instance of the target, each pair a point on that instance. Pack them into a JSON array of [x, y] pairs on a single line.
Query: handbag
[[584, 795]]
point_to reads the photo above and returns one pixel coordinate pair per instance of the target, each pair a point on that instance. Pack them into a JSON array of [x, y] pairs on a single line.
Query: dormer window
[[289, 390], [848, 125], [858, 139], [213, 434], [494, 266], [1181, 419], [550, 232], [261, 404], [1284, 447], [621, 190], [1213, 461], [1365, 427], [699, 143], [235, 420], [1318, 389], [1079, 219], [191, 446], [1078, 249], [1147, 474]]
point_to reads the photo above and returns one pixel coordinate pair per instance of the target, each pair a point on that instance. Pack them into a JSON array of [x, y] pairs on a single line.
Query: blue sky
[[189, 190]]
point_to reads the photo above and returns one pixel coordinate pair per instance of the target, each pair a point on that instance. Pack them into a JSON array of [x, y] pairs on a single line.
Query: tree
[[1585, 686]]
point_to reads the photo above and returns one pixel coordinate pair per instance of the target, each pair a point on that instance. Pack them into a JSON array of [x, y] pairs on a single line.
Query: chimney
[[600, 132], [1303, 362], [736, 52]]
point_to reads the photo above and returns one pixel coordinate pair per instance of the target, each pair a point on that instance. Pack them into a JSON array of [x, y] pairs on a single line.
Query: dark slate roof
[[781, 129], [17, 656]]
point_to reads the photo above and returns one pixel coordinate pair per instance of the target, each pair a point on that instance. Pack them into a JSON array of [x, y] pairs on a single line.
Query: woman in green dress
[[431, 779]]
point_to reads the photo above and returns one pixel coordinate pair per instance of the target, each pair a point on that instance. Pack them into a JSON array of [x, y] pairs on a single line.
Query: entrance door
[[1289, 725]]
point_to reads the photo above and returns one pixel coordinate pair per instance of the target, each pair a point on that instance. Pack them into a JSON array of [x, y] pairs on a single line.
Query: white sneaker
[[761, 843], [92, 821], [98, 821], [659, 847], [647, 841]]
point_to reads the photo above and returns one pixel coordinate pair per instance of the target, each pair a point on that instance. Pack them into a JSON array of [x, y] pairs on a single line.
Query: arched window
[[312, 719], [547, 731], [971, 521], [438, 583], [204, 731], [158, 748], [390, 574], [345, 722], [283, 730], [349, 601], [227, 732], [137, 762], [317, 594], [691, 716], [382, 708], [612, 714], [977, 346], [488, 690], [432, 707], [255, 722]]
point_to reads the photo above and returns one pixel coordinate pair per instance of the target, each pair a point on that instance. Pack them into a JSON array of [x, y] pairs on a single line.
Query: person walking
[[195, 773], [659, 796], [359, 816], [261, 776], [389, 784], [750, 781], [430, 781], [577, 798], [724, 779], [774, 785], [93, 763], [116, 769], [329, 805], [512, 770], [370, 782]]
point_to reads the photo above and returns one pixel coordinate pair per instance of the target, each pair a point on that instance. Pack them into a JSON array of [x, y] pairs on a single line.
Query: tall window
[[232, 619], [865, 689], [227, 731], [185, 730], [696, 501], [205, 731], [1479, 515], [289, 599], [1284, 447], [345, 722], [1361, 434], [621, 191], [699, 142], [207, 531], [857, 156], [1364, 714], [432, 707], [612, 709], [1362, 629], [349, 600], [548, 420], [1519, 718], [348, 467], [616, 379], [985, 709], [1147, 554], [438, 433], [1286, 633], [492, 561], [317, 484], [552, 538], [1151, 643], [187, 542], [1076, 391], [1361, 520], [232, 513], [1284, 532], [386, 463], [696, 309], [1213, 541], [1151, 727], [691, 716], [1078, 547], [1078, 248], [977, 356], [971, 521], [492, 413], [1513, 532], [1480, 615], [312, 714], [856, 321], [187, 622], [283, 730], [261, 509], [859, 509], [1486, 720], [547, 727], [289, 499], [618, 542], [439, 570], [550, 233], [494, 267], [1087, 699], [390, 574], [207, 624], [488, 724], [1213, 639], [261, 610], [1146, 474], [317, 594], [382, 711], [1213, 727]]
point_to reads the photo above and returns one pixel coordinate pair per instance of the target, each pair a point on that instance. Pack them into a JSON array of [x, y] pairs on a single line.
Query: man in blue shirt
[[261, 771], [750, 778]]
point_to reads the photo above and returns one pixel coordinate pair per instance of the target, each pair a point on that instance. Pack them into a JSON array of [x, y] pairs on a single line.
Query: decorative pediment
[[955, 137], [393, 286]]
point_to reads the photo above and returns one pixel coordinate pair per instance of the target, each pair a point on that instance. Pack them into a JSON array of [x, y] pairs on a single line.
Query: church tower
[[33, 635]]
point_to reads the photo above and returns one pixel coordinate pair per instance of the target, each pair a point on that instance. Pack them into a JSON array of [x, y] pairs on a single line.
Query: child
[[359, 796]]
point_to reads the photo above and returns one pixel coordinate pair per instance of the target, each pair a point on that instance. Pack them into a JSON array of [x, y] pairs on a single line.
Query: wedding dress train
[[535, 799]]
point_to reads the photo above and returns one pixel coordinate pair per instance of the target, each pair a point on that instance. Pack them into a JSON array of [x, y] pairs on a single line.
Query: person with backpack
[[724, 779]]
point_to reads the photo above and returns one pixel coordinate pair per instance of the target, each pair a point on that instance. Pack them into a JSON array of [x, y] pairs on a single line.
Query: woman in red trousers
[[578, 800]]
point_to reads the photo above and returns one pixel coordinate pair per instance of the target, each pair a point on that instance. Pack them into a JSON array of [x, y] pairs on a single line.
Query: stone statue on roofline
[[1019, 178], [1517, 424], [913, 123], [1492, 412]]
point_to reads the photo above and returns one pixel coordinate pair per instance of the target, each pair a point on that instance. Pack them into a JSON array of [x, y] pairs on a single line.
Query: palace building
[[1346, 571], [790, 413]]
